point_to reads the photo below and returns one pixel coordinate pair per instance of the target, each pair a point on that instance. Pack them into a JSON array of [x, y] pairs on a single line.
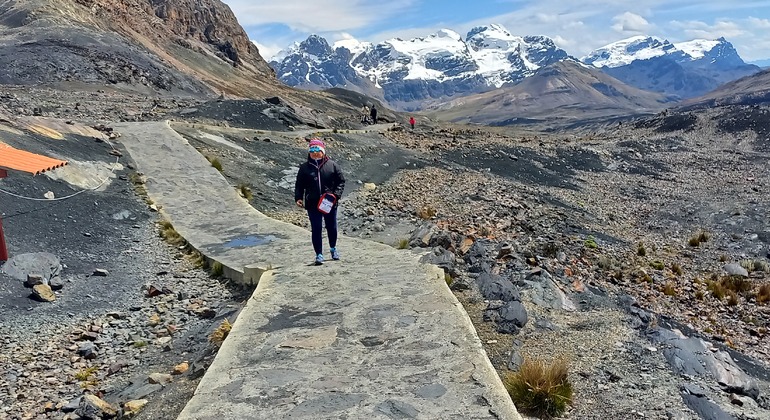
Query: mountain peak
[[625, 51]]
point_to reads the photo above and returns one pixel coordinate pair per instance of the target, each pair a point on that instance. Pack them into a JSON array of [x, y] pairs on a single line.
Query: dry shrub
[[245, 192], [755, 266], [736, 284], [716, 289], [219, 335], [539, 388], [215, 162], [677, 269], [699, 238], [732, 298], [170, 234], [426, 212], [669, 289], [763, 294]]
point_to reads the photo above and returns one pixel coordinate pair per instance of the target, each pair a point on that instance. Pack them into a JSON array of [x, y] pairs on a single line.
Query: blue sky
[[578, 27]]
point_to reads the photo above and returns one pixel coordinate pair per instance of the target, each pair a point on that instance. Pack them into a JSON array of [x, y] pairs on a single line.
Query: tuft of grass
[[677, 269], [763, 294], [732, 298], [723, 258], [669, 289], [657, 265], [245, 192], [140, 344], [85, 374], [605, 262], [716, 289], [699, 238], [700, 295], [402, 244], [217, 269], [736, 284], [214, 161], [197, 259], [590, 242], [641, 250], [755, 266], [222, 331], [170, 234], [539, 388], [448, 279]]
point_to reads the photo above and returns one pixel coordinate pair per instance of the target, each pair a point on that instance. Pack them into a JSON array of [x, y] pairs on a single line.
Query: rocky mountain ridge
[[551, 98], [415, 73], [192, 47], [687, 69], [409, 72]]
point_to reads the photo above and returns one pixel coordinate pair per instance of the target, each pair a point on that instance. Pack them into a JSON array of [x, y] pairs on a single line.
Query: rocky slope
[[194, 47], [556, 95]]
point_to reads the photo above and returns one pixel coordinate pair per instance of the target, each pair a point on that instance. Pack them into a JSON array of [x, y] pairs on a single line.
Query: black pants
[[317, 220]]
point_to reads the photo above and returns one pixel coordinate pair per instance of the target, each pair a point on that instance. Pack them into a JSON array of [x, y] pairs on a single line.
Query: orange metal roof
[[21, 160]]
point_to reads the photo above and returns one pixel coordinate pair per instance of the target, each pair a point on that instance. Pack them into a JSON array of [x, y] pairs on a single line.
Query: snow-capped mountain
[[625, 52], [409, 72], [686, 69], [313, 64]]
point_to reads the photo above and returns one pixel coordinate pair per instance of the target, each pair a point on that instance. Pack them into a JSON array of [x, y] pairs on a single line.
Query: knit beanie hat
[[317, 143]]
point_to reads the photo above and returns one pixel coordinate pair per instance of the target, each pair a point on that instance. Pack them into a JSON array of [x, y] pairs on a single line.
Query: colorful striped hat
[[316, 143]]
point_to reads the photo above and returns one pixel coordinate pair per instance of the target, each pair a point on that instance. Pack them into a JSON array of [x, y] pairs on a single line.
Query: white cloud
[[759, 23], [577, 27], [317, 15], [747, 35], [267, 52], [696, 29], [631, 23]]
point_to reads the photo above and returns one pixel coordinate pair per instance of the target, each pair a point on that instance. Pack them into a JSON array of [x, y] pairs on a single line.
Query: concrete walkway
[[374, 336]]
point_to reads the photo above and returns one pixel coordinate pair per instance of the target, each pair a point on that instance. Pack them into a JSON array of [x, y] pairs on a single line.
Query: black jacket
[[308, 187]]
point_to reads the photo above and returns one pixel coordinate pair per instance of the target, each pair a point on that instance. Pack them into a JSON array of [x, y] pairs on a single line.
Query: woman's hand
[[299, 203]]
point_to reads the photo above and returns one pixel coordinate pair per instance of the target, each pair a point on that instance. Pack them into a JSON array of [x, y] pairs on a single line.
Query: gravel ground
[[559, 220], [107, 330]]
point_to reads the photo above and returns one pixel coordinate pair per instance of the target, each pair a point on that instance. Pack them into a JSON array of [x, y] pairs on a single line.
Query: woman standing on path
[[318, 188]]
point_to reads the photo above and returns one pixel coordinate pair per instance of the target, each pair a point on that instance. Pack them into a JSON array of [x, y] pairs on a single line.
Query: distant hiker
[[364, 114], [411, 122], [318, 188], [373, 114]]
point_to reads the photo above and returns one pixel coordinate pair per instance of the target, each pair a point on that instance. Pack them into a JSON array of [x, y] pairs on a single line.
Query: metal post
[[3, 249]]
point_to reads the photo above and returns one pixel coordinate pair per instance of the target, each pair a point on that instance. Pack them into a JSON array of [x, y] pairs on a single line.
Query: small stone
[[160, 378], [33, 280], [44, 293], [100, 272], [134, 406], [181, 368]]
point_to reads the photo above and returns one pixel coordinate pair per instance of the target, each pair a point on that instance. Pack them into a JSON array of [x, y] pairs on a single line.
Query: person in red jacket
[[320, 179], [411, 122]]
